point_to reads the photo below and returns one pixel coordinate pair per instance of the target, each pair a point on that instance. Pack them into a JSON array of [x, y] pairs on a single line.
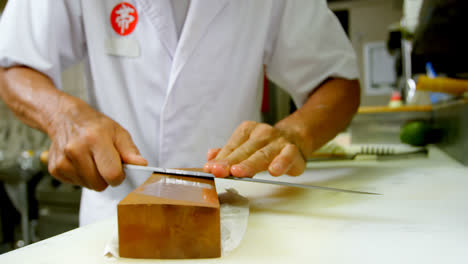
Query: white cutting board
[[422, 217]]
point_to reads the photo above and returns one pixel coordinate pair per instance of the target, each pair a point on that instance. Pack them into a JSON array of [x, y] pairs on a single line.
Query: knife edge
[[199, 174]]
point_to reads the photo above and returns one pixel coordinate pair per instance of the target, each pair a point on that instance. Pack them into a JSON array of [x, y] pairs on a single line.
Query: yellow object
[[442, 84], [44, 157], [386, 109]]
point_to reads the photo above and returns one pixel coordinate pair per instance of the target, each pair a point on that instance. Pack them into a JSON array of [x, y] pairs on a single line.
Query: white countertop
[[422, 217]]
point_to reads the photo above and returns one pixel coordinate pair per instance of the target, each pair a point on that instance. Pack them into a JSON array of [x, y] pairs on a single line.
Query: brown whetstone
[[170, 217]]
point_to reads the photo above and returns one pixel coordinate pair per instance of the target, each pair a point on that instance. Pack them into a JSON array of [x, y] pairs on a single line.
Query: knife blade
[[147, 171]]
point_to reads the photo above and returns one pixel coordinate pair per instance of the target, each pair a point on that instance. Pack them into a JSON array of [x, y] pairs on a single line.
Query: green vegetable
[[417, 133]]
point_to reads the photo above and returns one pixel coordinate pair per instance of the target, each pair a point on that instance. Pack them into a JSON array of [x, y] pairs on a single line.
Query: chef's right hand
[[88, 148]]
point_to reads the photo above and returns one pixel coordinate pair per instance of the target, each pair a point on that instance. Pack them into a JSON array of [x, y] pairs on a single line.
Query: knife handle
[[44, 157]]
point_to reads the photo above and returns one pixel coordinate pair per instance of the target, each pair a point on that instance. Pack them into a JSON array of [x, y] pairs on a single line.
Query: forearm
[[87, 148], [31, 96], [328, 111]]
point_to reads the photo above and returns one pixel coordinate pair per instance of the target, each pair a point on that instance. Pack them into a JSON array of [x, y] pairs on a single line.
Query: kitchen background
[[33, 206]]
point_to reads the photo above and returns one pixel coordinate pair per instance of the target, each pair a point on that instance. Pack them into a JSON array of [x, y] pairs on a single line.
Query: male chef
[[169, 80]]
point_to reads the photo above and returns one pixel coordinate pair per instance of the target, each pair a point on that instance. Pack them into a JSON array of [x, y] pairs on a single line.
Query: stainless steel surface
[[382, 128], [147, 171], [452, 119]]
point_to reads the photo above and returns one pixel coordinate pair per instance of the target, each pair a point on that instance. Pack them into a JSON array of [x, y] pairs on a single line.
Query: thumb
[[128, 151], [212, 153]]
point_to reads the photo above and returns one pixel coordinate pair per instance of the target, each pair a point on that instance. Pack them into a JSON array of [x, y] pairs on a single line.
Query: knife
[[371, 154], [146, 171]]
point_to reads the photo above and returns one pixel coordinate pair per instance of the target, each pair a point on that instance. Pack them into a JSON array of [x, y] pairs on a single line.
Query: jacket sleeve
[[45, 35], [306, 45]]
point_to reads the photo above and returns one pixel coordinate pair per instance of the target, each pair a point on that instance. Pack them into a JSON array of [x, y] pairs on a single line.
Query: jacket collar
[[199, 16], [161, 17]]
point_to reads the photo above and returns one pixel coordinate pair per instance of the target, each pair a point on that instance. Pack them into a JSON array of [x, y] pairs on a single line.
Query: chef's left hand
[[256, 147]]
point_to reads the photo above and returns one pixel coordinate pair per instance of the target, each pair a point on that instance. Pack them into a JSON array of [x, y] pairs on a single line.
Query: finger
[[240, 135], [259, 161], [298, 167], [62, 169], [289, 161], [90, 174], [260, 136], [107, 162], [82, 160], [245, 150], [212, 153], [222, 168], [126, 148]]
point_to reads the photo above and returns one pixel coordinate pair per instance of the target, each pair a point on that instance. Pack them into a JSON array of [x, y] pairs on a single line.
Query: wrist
[[66, 106]]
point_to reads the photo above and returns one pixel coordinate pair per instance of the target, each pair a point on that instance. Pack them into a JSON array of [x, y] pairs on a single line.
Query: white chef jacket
[[180, 9], [177, 97]]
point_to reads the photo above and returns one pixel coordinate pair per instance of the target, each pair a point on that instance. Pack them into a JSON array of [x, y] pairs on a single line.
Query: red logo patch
[[124, 18]]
